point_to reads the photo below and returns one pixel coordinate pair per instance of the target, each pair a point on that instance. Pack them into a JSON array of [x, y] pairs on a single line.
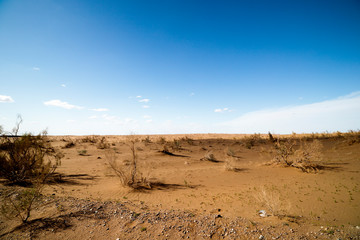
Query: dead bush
[[103, 144], [90, 139], [270, 199], [230, 164], [209, 156], [252, 140], [282, 150], [129, 174], [308, 157]]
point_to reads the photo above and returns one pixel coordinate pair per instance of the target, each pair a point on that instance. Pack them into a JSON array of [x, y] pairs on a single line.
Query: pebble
[[261, 237]]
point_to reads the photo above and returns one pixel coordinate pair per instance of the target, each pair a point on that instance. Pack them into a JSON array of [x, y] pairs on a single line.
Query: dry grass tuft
[[271, 201]]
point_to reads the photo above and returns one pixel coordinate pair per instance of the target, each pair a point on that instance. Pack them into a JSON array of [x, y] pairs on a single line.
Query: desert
[[196, 186]]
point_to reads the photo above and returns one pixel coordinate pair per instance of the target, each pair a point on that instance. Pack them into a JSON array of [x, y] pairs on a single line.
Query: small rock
[[261, 237]]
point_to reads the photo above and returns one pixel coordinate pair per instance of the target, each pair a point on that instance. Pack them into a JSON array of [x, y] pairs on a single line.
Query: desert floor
[[191, 197]]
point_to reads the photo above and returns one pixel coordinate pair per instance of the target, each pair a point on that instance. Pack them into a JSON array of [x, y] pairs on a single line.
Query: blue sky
[[152, 67]]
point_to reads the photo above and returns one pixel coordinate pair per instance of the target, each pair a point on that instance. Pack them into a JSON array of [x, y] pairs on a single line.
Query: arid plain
[[197, 186]]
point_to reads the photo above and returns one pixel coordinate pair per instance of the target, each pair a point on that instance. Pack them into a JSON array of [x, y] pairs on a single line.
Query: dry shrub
[[26, 159], [69, 144], [189, 141], [252, 140], [103, 144], [230, 152], [209, 156], [129, 174], [352, 137], [161, 140], [271, 201], [308, 157], [230, 163], [282, 151], [146, 140], [90, 139]]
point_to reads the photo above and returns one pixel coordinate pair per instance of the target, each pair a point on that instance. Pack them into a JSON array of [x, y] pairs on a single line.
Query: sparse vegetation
[[307, 157], [130, 174], [82, 152], [209, 156], [19, 203], [103, 144], [26, 159]]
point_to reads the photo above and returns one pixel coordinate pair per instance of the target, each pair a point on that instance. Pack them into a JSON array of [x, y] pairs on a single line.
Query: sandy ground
[[196, 198]]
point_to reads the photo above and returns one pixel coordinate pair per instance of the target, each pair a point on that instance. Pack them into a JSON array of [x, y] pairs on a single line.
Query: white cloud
[[100, 109], [146, 106], [192, 94], [93, 117], [138, 96], [70, 121], [339, 114], [58, 103], [146, 116], [6, 99], [221, 110], [36, 69], [63, 85], [149, 120], [145, 100]]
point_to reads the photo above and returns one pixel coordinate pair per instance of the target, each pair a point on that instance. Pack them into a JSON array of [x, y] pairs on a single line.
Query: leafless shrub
[[308, 157], [271, 201], [282, 150], [252, 140], [103, 144], [90, 139], [230, 164], [230, 152], [176, 145], [188, 140], [69, 144], [146, 140], [129, 174], [209, 156], [162, 140]]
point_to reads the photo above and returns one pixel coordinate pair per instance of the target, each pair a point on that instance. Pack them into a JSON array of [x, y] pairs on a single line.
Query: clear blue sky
[[115, 67]]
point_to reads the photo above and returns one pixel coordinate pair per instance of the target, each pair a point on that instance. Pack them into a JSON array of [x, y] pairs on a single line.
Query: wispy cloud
[[6, 99], [146, 116], [36, 68], [58, 103], [339, 114], [221, 110], [93, 117], [138, 96], [146, 106], [99, 109], [145, 100], [192, 94], [63, 85]]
